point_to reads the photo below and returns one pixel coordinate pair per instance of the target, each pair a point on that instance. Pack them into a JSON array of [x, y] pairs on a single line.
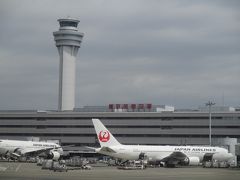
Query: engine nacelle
[[17, 151], [141, 156], [54, 155], [191, 161]]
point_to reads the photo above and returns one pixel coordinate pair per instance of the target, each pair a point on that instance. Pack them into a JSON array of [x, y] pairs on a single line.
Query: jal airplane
[[15, 149], [168, 155]]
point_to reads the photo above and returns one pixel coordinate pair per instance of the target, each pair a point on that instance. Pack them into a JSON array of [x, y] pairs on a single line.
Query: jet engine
[[54, 155], [192, 161], [142, 156], [17, 151]]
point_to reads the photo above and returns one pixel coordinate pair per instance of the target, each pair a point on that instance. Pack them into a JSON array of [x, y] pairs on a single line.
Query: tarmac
[[30, 171]]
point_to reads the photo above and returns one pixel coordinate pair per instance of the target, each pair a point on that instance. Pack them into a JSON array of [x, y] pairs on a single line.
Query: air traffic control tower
[[68, 41]]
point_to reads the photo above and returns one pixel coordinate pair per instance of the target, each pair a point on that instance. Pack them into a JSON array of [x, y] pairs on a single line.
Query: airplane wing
[[88, 147], [107, 149], [35, 150], [174, 158], [102, 149], [19, 152]]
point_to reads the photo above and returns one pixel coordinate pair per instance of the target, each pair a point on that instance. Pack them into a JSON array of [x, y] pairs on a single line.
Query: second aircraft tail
[[105, 138]]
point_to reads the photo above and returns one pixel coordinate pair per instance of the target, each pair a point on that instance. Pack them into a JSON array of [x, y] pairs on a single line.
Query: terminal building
[[152, 125]]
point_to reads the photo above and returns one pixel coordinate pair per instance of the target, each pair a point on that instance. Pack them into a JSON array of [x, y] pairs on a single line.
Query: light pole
[[210, 104]]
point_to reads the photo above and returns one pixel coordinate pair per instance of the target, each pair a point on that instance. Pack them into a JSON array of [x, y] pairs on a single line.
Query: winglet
[[105, 138]]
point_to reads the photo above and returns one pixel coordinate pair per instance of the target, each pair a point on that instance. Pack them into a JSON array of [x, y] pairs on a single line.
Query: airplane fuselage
[[157, 153], [11, 146]]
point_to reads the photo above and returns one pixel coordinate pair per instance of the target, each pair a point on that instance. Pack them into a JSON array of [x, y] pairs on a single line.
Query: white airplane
[[168, 155], [16, 149]]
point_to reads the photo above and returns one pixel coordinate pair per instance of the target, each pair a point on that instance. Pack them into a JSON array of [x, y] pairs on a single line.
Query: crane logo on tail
[[104, 136]]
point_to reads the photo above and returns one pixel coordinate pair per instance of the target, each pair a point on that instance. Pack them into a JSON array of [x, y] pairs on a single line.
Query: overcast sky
[[179, 53]]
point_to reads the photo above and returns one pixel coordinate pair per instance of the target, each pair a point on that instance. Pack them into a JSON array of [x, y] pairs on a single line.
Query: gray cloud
[[163, 52]]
